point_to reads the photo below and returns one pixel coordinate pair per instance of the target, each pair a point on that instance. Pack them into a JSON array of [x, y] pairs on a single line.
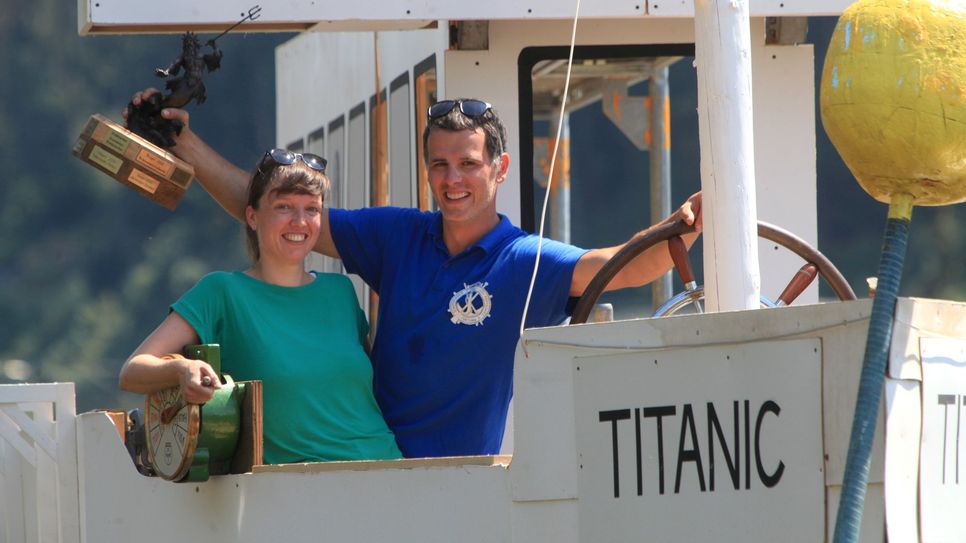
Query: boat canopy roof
[[175, 16]]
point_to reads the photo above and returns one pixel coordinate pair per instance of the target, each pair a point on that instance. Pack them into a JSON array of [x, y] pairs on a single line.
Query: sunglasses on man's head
[[275, 157], [470, 108]]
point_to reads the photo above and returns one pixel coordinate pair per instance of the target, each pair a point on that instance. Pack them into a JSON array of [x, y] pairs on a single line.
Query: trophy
[[136, 155]]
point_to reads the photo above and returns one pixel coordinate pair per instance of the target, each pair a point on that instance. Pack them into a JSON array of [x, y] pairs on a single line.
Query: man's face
[[462, 176]]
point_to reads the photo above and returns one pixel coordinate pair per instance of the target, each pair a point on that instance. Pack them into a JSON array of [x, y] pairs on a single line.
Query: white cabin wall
[[321, 75], [783, 90]]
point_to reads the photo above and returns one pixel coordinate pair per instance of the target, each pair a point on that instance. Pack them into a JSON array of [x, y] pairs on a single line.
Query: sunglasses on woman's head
[[275, 157], [470, 108]]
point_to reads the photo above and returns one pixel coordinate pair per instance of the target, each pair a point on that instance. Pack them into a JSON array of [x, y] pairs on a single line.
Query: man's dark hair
[[455, 121]]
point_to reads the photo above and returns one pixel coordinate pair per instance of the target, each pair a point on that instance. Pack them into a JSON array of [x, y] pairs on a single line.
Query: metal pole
[[659, 154], [560, 190]]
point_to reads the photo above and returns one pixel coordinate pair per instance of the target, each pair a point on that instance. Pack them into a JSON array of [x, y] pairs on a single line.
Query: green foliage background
[[88, 268]]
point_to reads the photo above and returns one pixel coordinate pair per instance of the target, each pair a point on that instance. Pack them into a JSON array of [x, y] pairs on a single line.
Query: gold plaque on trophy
[[134, 161]]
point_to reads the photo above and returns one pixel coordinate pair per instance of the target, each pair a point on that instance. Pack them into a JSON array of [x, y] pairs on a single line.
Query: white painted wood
[[543, 384], [40, 462], [36, 392], [12, 517], [552, 521], [65, 415], [785, 163], [442, 503], [175, 15], [758, 8], [766, 392], [542, 493], [942, 482], [10, 433], [47, 499], [840, 378], [903, 401], [725, 127], [917, 318], [320, 76], [33, 429]]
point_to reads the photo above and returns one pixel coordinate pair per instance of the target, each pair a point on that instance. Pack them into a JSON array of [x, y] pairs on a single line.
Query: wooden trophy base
[[134, 161]]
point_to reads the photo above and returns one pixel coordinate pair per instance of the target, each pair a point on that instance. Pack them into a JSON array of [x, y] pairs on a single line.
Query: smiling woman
[[300, 333], [284, 214]]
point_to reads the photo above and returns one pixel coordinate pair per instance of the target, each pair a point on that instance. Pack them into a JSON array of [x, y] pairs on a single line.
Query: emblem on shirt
[[470, 305]]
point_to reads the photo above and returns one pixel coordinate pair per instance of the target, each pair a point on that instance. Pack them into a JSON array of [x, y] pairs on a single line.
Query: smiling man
[[452, 283]]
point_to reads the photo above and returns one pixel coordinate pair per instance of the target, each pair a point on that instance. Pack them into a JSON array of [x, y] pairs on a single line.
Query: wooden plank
[[68, 484], [10, 433], [38, 392], [34, 430], [180, 15], [119, 419], [405, 463], [901, 485], [11, 495], [250, 439]]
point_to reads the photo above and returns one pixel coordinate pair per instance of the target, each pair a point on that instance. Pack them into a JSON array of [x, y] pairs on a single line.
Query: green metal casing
[[220, 420]]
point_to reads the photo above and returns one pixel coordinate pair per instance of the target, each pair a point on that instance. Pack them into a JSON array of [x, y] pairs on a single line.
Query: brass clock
[[172, 427]]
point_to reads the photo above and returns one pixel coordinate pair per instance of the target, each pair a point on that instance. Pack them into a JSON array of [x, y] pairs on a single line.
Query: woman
[[300, 333]]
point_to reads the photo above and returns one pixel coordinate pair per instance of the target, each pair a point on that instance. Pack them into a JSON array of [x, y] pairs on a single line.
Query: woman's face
[[287, 225]]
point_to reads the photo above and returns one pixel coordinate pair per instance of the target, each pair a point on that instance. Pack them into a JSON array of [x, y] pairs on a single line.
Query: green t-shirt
[[305, 345]]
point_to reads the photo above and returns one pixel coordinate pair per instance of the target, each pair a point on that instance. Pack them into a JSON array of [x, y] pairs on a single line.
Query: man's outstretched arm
[[225, 182], [647, 266]]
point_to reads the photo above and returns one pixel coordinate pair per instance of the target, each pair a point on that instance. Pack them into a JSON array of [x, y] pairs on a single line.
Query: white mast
[[723, 54]]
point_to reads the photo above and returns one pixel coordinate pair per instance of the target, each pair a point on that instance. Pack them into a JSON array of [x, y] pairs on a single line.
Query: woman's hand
[[198, 380]]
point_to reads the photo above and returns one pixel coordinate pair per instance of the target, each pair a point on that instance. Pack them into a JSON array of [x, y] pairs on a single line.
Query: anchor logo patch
[[470, 305]]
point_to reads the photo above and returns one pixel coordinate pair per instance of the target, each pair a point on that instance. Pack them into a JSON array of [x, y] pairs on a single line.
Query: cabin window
[[355, 172], [400, 143], [355, 179], [379, 150], [424, 94], [379, 177], [315, 143], [610, 146], [296, 146], [335, 154]]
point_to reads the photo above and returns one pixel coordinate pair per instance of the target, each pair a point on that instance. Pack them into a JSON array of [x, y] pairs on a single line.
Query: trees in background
[[88, 268]]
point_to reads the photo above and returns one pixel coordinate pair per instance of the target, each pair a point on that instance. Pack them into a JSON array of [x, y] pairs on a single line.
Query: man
[[452, 284]]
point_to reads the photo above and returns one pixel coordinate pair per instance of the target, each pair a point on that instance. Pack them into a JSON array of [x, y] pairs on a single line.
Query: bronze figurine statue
[[145, 119]]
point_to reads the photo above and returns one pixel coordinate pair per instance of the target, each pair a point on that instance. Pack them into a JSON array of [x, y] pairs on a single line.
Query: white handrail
[[39, 497]]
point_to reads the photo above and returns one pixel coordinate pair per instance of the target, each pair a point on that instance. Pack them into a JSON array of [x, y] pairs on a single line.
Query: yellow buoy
[[893, 98]]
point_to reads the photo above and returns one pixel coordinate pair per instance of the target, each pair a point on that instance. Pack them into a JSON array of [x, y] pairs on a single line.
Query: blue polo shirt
[[448, 325]]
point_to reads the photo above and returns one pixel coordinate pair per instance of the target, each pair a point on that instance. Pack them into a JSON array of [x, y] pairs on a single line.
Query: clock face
[[172, 431]]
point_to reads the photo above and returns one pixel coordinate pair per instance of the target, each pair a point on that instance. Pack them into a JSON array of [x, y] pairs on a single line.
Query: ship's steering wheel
[[815, 262]]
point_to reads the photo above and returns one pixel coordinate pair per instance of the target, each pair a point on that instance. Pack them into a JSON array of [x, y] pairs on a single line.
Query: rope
[[553, 160]]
